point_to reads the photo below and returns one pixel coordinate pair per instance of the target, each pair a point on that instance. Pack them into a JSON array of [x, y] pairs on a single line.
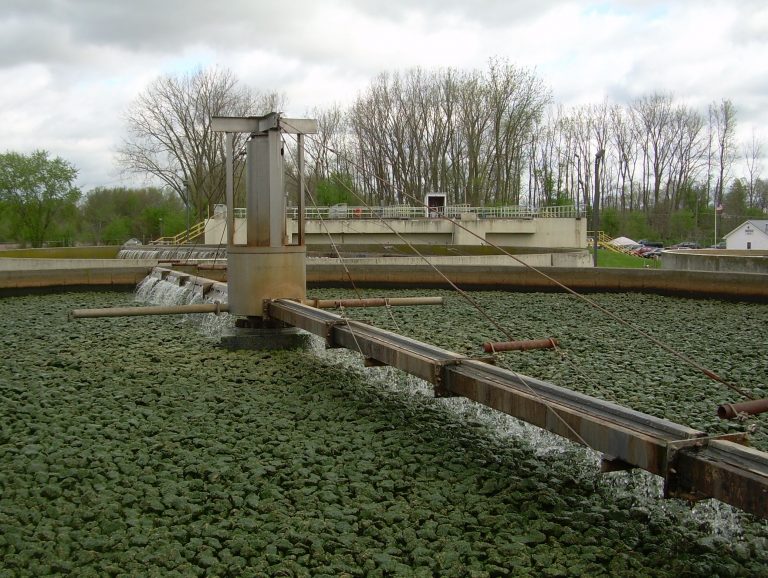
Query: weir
[[266, 292]]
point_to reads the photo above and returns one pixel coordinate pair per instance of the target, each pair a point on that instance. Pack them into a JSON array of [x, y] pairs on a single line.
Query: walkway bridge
[[399, 212]]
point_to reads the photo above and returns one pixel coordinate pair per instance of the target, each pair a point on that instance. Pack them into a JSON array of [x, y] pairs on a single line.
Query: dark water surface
[[135, 446]]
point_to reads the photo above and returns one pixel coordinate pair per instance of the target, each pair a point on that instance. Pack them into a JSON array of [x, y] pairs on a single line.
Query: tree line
[[40, 205], [496, 137], [490, 136]]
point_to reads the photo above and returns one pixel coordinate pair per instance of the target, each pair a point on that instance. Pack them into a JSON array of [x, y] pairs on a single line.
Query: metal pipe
[[152, 310], [302, 186], [229, 192], [373, 302], [524, 345], [732, 410]]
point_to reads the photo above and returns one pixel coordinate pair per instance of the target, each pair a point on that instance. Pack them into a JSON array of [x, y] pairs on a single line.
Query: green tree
[[114, 215], [735, 200], [39, 194], [334, 190], [610, 222]]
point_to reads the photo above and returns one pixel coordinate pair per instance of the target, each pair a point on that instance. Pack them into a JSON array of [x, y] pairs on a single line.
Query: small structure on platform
[[750, 235], [435, 204]]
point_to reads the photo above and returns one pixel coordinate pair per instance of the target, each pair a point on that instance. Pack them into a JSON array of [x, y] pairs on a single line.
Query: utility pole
[[596, 205]]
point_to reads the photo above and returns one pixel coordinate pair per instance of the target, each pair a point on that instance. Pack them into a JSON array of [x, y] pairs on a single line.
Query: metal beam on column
[[229, 145], [692, 464]]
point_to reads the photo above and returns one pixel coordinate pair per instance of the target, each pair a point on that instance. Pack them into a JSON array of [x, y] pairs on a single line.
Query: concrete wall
[[322, 272], [21, 274], [747, 286], [101, 252], [49, 264], [716, 260], [570, 259], [537, 232]]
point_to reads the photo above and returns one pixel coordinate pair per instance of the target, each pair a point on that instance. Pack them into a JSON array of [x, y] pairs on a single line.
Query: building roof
[[623, 242], [759, 225]]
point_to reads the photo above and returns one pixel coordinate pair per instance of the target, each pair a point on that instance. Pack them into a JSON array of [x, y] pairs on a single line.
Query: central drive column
[[265, 267]]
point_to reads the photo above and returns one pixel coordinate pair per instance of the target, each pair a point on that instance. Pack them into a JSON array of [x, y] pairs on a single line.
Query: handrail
[[410, 212], [195, 231], [605, 241]]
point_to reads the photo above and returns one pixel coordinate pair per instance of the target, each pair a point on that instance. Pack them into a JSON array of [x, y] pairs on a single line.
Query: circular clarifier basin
[[138, 446]]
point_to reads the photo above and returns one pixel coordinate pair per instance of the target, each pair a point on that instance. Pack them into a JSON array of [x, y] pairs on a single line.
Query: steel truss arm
[[693, 465]]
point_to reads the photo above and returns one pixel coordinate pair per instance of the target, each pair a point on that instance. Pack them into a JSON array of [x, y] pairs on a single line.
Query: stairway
[[195, 231]]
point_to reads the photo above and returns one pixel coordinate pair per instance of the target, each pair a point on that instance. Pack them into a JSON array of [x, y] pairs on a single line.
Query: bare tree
[[626, 152], [652, 116], [170, 136], [466, 133], [722, 117], [753, 150], [689, 153]]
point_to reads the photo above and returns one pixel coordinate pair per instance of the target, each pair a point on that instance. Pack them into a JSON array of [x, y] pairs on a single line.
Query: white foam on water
[[722, 519], [161, 292], [642, 489], [182, 253]]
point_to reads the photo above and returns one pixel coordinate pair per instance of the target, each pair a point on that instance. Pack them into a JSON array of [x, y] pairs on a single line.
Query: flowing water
[[178, 253], [162, 292]]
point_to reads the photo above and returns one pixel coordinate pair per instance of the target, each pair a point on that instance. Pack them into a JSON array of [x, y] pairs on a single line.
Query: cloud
[[69, 68]]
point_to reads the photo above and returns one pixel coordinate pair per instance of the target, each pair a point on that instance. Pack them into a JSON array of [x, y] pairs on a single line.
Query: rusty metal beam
[[373, 302], [692, 464], [524, 345], [417, 358], [721, 469]]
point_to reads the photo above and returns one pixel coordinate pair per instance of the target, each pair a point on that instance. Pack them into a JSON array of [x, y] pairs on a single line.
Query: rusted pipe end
[[733, 410], [524, 345], [725, 411]]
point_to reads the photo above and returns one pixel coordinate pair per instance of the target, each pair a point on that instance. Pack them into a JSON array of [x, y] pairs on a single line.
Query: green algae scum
[[136, 446]]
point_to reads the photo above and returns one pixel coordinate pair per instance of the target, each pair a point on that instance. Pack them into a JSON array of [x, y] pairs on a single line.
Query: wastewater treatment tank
[[137, 445]]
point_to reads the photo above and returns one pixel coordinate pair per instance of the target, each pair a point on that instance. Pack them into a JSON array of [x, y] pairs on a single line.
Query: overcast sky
[[70, 68]]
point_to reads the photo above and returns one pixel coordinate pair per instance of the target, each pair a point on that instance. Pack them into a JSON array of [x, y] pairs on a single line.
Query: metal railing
[[605, 241], [195, 231], [343, 212], [409, 212]]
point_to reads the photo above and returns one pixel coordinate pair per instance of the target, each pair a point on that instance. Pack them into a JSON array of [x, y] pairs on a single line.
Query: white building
[[752, 234]]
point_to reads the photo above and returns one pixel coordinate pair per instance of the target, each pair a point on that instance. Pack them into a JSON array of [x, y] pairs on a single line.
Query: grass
[[620, 260]]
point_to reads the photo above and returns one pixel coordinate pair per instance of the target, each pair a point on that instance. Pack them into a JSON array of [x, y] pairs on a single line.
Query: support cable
[[669, 349], [453, 285], [477, 306], [327, 231]]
